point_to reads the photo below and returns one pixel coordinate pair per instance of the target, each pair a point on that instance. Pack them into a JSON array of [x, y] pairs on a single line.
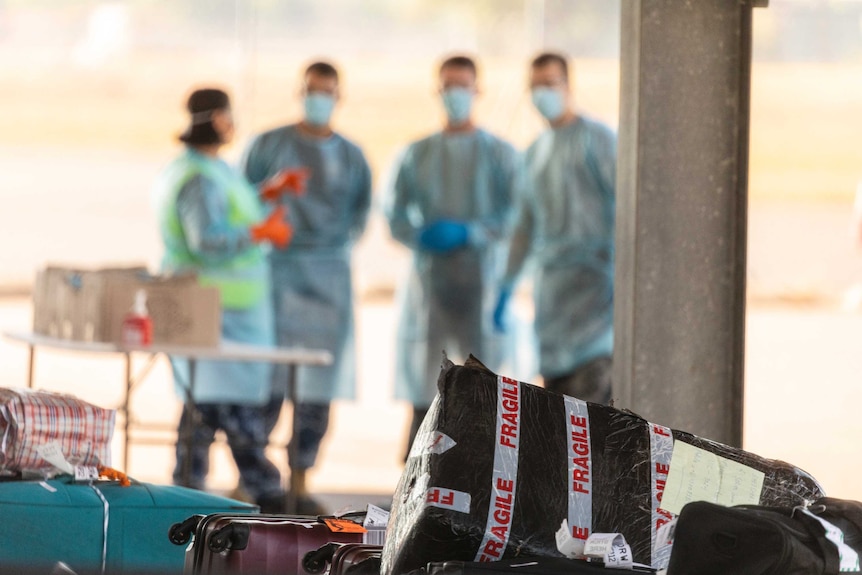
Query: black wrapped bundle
[[498, 465]]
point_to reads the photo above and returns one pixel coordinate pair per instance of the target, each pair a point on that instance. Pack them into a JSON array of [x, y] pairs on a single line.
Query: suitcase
[[98, 527], [356, 559], [260, 545], [343, 558], [824, 537], [524, 566]]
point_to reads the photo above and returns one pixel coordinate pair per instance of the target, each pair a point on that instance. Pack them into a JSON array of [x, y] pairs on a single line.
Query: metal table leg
[[30, 365], [126, 418], [290, 498], [126, 406]]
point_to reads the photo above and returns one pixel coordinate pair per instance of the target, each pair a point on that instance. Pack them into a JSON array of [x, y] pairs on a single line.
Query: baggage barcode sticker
[[661, 452], [376, 521], [448, 499], [374, 537], [849, 559], [505, 476], [580, 481]]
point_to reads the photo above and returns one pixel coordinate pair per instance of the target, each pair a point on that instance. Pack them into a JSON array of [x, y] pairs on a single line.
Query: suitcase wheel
[[181, 533]]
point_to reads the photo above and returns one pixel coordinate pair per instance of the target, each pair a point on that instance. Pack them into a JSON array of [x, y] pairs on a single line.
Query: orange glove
[[273, 229], [111, 473], [289, 180]]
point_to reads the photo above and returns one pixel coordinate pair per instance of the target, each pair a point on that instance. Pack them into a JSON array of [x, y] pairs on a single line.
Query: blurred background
[[91, 102]]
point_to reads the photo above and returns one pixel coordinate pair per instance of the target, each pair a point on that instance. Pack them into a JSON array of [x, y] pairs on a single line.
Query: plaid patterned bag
[[30, 419]]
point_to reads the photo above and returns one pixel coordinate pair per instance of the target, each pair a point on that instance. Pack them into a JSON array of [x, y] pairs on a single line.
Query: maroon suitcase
[[353, 558], [262, 544], [341, 558]]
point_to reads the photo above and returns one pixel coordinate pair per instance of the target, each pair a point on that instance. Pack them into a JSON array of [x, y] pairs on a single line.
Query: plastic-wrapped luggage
[[31, 419], [260, 544], [498, 465], [98, 527]]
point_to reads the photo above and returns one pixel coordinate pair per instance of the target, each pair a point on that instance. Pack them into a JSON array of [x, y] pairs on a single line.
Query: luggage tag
[[376, 520], [571, 547], [343, 525], [53, 453], [610, 549]]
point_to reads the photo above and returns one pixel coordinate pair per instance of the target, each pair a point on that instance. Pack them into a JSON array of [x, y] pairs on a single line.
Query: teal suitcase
[[100, 527]]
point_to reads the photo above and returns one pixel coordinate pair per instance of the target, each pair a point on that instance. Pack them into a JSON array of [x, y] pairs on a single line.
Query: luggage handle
[[233, 536], [315, 562]]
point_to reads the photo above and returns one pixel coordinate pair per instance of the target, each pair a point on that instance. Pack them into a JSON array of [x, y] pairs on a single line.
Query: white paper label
[[53, 454], [609, 548], [505, 476], [375, 517], [568, 545], [86, 473], [698, 475]]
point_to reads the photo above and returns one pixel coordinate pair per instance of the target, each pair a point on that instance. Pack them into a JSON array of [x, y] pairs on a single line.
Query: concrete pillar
[[682, 213]]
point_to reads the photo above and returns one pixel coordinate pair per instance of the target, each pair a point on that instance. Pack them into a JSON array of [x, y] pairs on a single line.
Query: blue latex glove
[[443, 236], [500, 308]]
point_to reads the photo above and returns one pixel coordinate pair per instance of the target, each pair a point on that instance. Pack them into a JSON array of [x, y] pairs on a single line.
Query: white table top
[[226, 351]]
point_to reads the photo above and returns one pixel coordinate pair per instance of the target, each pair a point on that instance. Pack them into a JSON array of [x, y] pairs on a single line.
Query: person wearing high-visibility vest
[[212, 223]]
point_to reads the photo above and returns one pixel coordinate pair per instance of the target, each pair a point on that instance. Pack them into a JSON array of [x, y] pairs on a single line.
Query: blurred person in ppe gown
[[313, 287], [212, 224], [451, 203], [566, 224]]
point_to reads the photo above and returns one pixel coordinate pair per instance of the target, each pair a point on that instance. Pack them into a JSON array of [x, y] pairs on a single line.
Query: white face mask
[[550, 103]]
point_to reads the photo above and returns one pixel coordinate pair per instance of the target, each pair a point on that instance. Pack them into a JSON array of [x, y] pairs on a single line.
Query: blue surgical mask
[[318, 108], [458, 102], [550, 103]]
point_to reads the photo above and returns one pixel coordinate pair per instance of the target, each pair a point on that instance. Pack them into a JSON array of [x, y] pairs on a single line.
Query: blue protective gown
[[447, 301], [312, 284], [196, 192], [566, 222]]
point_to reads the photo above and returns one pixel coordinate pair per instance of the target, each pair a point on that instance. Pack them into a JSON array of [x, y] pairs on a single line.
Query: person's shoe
[[271, 504]]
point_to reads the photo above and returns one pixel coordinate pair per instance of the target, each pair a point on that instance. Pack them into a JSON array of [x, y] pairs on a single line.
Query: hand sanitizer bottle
[[137, 325]]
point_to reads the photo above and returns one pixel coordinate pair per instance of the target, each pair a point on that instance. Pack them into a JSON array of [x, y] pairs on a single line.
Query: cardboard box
[[89, 305]]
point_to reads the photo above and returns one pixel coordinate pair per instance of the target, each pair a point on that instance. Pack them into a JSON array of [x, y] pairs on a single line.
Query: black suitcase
[[823, 538]]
